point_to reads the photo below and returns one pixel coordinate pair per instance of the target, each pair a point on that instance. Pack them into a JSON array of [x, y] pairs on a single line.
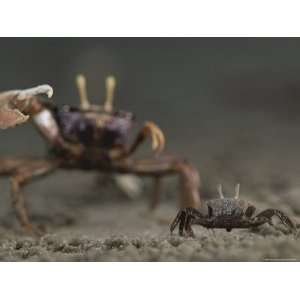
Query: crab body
[[95, 137], [94, 129], [226, 213]]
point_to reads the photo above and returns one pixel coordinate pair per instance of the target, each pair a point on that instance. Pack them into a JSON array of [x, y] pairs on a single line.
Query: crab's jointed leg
[[185, 218], [149, 130], [157, 190], [269, 213], [250, 211], [157, 167], [23, 172]]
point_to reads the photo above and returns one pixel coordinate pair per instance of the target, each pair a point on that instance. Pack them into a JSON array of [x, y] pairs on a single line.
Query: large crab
[[227, 213], [94, 137]]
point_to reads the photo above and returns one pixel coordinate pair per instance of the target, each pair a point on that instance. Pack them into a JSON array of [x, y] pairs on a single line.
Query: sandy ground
[[88, 222]]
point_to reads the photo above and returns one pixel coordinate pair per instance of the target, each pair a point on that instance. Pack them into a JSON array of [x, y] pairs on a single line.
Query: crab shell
[[226, 213], [223, 207], [94, 128]]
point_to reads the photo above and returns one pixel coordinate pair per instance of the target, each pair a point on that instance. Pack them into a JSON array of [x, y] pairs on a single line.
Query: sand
[[89, 222]]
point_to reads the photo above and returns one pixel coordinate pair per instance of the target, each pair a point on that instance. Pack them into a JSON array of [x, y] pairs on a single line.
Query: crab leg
[[269, 213], [185, 218], [250, 211], [183, 223], [188, 227], [177, 219], [188, 176], [23, 172], [157, 190], [149, 130]]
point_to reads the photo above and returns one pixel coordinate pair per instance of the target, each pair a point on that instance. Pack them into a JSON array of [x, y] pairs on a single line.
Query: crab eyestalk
[[81, 85], [110, 84], [220, 190], [237, 191]]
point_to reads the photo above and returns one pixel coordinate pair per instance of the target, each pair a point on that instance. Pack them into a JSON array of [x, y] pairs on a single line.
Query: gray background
[[230, 105]]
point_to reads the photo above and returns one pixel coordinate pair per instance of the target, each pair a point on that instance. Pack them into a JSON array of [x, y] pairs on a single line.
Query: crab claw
[[24, 95], [14, 103], [157, 137], [11, 118]]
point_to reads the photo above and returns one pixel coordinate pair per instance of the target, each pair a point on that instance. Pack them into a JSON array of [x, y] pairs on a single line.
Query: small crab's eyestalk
[[81, 85], [110, 84], [237, 191], [220, 190]]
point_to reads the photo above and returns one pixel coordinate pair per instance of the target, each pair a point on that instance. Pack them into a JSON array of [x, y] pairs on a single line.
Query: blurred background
[[229, 105]]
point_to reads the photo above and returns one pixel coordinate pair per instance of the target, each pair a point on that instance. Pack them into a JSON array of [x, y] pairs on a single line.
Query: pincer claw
[[24, 95], [157, 137], [11, 112]]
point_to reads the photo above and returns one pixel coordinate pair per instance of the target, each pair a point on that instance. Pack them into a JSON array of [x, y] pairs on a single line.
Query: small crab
[[94, 138], [227, 213]]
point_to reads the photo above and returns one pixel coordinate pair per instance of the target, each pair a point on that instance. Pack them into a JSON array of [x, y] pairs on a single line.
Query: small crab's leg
[[182, 223], [186, 217], [177, 219], [23, 175], [181, 218], [161, 166], [188, 227], [269, 213], [250, 211]]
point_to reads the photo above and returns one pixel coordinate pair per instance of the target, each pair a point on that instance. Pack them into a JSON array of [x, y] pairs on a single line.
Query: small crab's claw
[[14, 103], [157, 137], [285, 220]]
